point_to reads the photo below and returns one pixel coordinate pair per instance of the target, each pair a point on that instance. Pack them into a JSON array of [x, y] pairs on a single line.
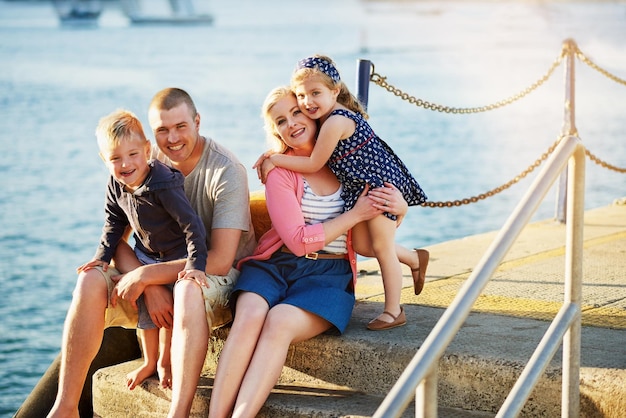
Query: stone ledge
[[361, 366]]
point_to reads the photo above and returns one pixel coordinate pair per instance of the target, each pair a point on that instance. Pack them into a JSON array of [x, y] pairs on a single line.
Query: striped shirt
[[317, 209]]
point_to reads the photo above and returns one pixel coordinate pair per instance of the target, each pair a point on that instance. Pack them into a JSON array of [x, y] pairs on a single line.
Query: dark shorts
[[322, 287]]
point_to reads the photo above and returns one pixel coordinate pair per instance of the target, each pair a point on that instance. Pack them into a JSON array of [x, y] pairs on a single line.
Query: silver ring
[[386, 201]]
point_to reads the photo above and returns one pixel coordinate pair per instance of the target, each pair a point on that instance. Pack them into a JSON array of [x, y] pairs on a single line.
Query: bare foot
[[62, 412], [165, 375], [138, 375]]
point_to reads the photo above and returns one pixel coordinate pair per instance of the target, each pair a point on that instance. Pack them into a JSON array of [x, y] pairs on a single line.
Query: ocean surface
[[56, 82]]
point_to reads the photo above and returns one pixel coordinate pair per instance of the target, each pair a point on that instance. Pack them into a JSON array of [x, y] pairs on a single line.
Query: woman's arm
[[283, 190], [332, 131], [283, 196], [363, 210]]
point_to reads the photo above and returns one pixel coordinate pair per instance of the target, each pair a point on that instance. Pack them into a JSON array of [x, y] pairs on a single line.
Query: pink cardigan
[[283, 194]]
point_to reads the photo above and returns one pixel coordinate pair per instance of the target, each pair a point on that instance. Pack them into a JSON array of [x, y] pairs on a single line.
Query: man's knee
[[187, 298], [187, 290], [91, 285]]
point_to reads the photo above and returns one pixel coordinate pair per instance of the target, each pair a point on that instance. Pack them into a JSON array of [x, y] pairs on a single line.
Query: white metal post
[[426, 402], [569, 125], [570, 406]]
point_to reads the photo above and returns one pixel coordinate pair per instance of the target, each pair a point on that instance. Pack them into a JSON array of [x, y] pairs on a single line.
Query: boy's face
[[128, 162]]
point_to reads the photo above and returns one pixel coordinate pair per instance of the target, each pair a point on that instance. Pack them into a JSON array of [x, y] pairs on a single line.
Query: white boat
[[177, 12], [78, 12]]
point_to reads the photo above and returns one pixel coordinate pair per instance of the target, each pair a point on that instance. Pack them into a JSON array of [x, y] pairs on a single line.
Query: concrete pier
[[349, 375]]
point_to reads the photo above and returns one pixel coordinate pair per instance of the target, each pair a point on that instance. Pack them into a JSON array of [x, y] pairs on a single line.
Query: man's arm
[[137, 278], [143, 279], [132, 284], [221, 255]]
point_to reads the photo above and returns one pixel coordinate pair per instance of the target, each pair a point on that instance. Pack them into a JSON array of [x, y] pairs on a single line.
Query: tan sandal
[[419, 274], [378, 325]]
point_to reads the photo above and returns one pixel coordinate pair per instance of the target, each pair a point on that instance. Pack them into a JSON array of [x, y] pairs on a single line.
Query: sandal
[[419, 274], [378, 325]]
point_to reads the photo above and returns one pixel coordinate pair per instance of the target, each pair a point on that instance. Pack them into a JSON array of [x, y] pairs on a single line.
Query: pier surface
[[333, 376]]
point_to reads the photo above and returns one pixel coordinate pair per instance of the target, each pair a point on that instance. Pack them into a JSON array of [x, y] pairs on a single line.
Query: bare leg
[[235, 357], [125, 259], [363, 246], [285, 324], [190, 337], [383, 230], [150, 348], [82, 336], [164, 367]]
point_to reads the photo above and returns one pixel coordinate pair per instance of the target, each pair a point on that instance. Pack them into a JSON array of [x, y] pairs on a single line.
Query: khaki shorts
[[216, 297], [123, 314]]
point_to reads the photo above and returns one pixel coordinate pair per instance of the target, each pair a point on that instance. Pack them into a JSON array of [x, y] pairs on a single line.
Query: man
[[216, 185]]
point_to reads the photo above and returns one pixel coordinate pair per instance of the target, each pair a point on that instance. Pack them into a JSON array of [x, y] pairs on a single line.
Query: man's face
[[176, 131]]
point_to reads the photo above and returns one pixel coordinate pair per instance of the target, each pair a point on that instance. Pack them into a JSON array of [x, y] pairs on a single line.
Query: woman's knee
[[285, 320], [251, 308]]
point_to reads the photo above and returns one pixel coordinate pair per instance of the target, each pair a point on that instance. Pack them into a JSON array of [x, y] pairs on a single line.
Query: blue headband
[[321, 64]]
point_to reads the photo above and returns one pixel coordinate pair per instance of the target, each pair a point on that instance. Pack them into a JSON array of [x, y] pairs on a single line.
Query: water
[[57, 82]]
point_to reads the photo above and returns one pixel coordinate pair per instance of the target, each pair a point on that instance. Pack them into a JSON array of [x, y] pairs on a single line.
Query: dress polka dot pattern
[[364, 158]]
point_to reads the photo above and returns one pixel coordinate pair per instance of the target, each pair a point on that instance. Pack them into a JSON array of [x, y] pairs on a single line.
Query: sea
[[56, 81]]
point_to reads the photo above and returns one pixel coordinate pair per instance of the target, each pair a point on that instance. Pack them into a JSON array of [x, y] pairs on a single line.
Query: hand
[[389, 199], [128, 286], [365, 207], [264, 170], [91, 264], [197, 276], [260, 160], [160, 305]]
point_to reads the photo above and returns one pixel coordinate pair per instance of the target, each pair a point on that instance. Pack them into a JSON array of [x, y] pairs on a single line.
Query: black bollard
[[118, 346]]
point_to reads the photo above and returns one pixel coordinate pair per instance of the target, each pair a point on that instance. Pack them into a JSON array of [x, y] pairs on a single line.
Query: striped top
[[317, 209]]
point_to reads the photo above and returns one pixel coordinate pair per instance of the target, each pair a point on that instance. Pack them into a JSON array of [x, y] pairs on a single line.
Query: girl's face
[[295, 129], [128, 162], [315, 98]]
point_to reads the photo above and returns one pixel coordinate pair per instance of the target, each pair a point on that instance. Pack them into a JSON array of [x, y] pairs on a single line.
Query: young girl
[[357, 157]]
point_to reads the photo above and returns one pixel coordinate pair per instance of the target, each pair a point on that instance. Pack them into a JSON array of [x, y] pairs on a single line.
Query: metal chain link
[[568, 48], [583, 58], [382, 82], [603, 163], [593, 65], [499, 189]]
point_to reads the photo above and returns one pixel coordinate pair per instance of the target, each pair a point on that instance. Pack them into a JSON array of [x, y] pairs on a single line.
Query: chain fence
[[568, 49]]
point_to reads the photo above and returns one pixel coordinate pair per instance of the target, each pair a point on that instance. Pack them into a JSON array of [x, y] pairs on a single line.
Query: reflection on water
[[57, 82]]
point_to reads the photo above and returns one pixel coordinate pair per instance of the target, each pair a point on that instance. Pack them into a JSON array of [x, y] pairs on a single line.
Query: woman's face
[[296, 129]]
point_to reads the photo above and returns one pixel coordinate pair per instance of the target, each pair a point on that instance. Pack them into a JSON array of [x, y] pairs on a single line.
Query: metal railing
[[565, 164], [419, 379], [366, 74]]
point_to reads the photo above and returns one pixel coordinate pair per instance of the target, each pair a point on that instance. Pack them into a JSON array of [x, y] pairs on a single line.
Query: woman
[[300, 281]]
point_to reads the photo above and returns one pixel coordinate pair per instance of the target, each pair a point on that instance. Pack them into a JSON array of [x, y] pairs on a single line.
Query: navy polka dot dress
[[364, 158]]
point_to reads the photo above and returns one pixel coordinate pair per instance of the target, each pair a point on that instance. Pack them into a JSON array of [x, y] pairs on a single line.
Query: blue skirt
[[322, 287]]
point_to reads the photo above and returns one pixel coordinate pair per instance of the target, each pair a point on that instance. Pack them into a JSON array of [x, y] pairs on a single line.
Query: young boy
[[147, 196]]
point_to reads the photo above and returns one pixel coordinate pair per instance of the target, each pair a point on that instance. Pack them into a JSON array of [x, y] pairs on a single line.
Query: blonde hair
[[345, 97], [273, 138], [120, 125]]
